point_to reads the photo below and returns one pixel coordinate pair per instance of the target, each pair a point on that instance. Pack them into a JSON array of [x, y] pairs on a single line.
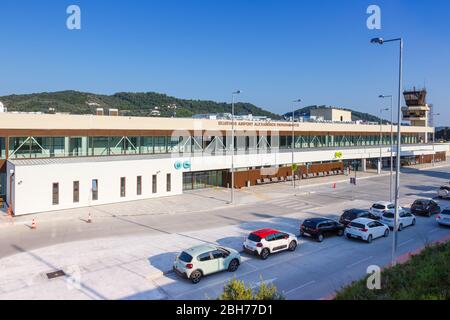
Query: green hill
[[130, 104], [141, 104], [356, 115]]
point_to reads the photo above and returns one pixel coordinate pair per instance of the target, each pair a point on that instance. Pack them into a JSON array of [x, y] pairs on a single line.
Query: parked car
[[352, 214], [378, 208], [366, 229], [405, 219], [318, 228], [202, 260], [425, 207], [444, 192], [266, 241], [443, 218]]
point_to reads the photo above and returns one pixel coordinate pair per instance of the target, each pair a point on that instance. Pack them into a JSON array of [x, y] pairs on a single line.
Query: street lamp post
[[399, 141], [380, 161], [293, 140], [392, 145], [232, 143]]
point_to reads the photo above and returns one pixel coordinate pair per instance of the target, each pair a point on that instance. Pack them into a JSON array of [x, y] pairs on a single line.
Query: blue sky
[[273, 50]]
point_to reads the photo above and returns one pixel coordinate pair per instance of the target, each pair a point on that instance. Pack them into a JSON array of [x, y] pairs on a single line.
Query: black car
[[352, 214], [318, 228], [425, 207]]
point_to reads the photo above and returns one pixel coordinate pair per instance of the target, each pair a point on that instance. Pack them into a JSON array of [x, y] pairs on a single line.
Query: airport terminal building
[[58, 161]]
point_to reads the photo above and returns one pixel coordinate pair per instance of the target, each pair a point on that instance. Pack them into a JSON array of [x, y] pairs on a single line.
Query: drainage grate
[[56, 274]]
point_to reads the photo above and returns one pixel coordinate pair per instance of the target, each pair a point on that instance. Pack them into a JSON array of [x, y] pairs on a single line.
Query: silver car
[[444, 192], [443, 218]]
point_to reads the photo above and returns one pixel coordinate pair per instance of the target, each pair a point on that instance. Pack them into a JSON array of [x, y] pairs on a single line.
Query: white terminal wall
[[33, 183]]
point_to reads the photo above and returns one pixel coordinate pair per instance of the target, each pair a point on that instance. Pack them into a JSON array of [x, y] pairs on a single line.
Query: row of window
[[94, 189], [46, 147]]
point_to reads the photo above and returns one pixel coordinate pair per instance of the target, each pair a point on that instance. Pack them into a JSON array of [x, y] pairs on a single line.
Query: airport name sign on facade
[[258, 123]]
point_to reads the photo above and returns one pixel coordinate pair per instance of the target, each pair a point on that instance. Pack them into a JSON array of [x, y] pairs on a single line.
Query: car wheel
[[320, 237], [265, 253], [348, 236], [369, 239], [340, 233], [413, 223], [196, 276], [292, 245], [234, 265], [400, 227], [386, 233]]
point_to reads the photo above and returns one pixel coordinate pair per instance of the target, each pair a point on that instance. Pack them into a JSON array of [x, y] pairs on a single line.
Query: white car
[[443, 218], [266, 241], [366, 229], [444, 192], [378, 208], [405, 219]]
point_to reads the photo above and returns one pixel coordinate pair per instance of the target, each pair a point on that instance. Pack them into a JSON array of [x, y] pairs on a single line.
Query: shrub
[[236, 290]]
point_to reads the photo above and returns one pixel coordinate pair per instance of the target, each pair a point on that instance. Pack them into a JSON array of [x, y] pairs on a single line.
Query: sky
[[275, 51]]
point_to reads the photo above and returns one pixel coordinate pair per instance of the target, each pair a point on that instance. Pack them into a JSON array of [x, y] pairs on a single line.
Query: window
[[76, 191], [169, 182], [154, 184], [122, 187], [217, 254], [55, 193], [95, 189], [204, 257], [139, 186]]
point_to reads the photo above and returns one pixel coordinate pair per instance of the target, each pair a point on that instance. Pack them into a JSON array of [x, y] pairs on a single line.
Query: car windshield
[[357, 225], [309, 224], [420, 202], [445, 188], [446, 212], [253, 237], [388, 215], [185, 257], [379, 206]]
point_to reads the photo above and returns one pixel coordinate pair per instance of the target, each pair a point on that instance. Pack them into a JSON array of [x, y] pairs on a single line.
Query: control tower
[[417, 111]]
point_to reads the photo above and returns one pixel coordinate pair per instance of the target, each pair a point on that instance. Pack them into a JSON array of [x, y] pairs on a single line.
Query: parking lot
[[135, 263]]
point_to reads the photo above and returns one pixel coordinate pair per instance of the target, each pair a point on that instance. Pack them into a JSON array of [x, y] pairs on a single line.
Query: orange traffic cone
[[89, 220], [33, 224]]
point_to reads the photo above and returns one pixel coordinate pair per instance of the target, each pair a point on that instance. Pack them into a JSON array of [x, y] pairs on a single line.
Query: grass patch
[[425, 276]]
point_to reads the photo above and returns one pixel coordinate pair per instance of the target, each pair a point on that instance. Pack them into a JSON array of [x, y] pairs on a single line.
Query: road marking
[[406, 242], [433, 230], [259, 283], [300, 287], [360, 261]]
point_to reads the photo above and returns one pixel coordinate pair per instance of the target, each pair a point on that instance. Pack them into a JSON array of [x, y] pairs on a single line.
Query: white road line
[[300, 287], [360, 261], [433, 230], [406, 242]]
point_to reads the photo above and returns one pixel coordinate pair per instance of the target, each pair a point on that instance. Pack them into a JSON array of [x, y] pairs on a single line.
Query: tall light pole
[[399, 141], [293, 139], [380, 161], [392, 144], [232, 143]]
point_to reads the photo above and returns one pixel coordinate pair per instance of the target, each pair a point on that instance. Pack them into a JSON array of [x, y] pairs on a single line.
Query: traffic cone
[[33, 224], [334, 186], [89, 220]]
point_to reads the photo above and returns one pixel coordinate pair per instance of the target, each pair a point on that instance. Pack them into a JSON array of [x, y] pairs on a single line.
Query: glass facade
[[49, 147], [202, 179]]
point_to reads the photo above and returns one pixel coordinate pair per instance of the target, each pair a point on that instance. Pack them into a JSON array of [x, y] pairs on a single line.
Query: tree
[[236, 290]]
